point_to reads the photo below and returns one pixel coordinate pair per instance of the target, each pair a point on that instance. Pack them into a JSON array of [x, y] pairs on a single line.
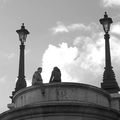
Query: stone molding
[[58, 109]]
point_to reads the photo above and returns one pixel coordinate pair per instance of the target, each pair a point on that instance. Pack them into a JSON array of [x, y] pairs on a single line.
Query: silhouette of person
[[37, 79], [56, 75]]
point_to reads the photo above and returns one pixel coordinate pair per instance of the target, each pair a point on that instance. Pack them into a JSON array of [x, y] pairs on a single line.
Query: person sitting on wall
[[37, 79], [56, 75]]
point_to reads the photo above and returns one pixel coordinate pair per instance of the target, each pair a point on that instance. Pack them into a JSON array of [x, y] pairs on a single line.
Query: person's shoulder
[[35, 72]]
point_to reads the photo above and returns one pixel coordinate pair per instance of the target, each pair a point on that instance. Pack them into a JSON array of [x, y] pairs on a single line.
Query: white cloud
[[61, 28], [84, 61], [78, 26], [116, 28], [110, 3], [91, 51], [115, 48], [76, 65], [57, 56], [29, 82]]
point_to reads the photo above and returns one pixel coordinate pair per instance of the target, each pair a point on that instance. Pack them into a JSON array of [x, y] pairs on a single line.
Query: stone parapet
[[115, 101], [62, 92]]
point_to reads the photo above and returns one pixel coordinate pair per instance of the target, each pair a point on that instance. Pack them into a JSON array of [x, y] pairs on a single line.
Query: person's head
[[55, 68], [39, 69]]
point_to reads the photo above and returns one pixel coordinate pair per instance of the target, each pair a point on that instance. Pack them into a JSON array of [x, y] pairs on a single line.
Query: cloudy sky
[[63, 33]]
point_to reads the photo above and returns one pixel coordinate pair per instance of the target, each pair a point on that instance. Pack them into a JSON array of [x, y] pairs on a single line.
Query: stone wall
[[64, 92]]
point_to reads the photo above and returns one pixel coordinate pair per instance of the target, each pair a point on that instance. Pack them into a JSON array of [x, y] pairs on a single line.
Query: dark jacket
[[36, 78], [55, 76]]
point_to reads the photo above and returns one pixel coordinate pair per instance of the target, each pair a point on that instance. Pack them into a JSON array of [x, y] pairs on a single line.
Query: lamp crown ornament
[[22, 27], [105, 15]]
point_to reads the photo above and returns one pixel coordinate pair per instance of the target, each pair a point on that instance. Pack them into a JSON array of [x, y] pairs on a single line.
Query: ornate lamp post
[[21, 83], [109, 82]]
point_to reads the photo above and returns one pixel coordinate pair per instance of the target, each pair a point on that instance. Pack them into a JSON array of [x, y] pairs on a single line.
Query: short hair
[[39, 68]]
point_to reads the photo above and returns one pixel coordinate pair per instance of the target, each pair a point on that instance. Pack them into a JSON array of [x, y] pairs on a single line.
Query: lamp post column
[[109, 82], [21, 82], [107, 51]]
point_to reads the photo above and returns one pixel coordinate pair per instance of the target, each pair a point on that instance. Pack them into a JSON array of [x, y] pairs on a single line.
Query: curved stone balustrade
[[62, 93]]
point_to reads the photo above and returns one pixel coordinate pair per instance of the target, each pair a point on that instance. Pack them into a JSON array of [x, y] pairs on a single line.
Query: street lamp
[[106, 22], [22, 33], [21, 83], [109, 82]]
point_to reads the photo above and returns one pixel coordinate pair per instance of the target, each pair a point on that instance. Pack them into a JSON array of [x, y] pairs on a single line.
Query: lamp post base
[[111, 87], [109, 81]]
